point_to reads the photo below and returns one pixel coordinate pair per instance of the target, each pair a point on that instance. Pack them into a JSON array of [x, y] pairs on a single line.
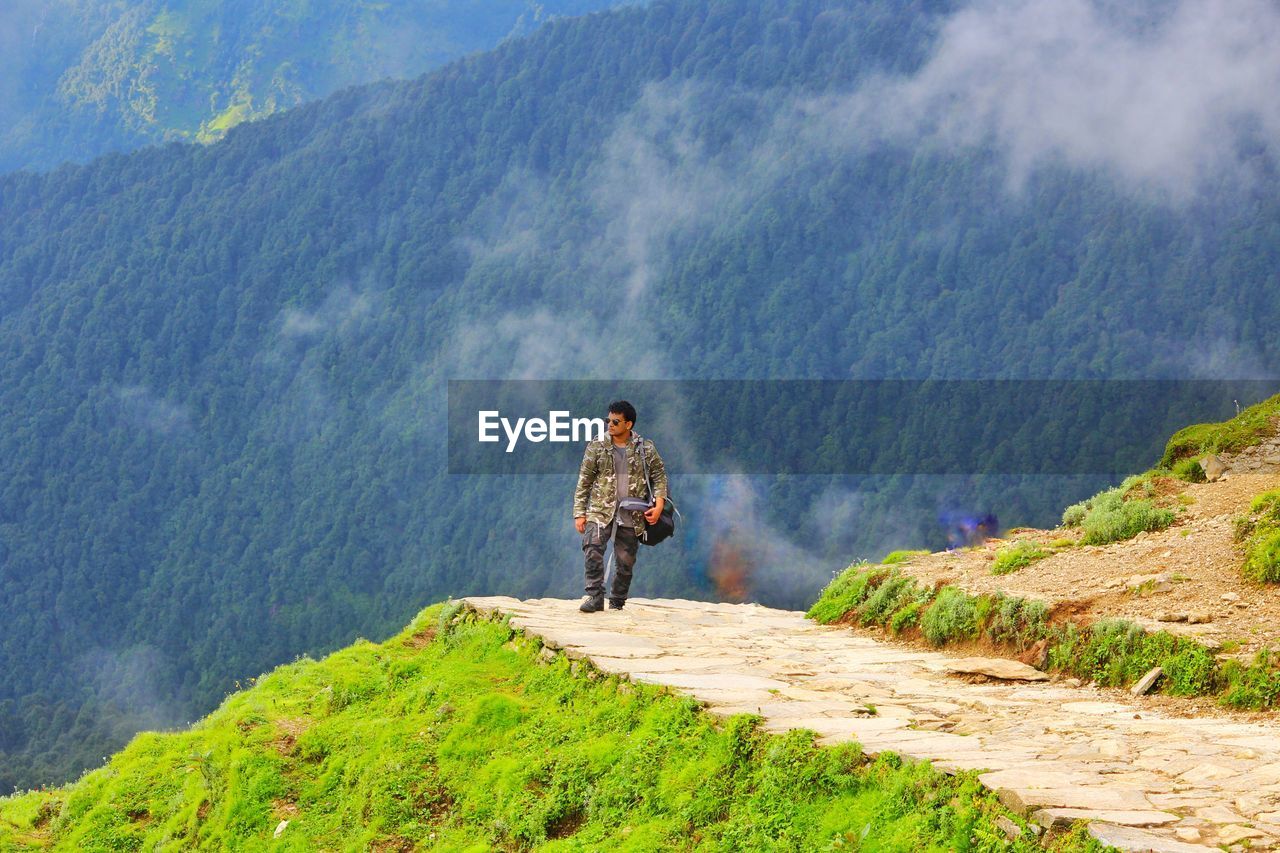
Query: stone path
[[1055, 753]]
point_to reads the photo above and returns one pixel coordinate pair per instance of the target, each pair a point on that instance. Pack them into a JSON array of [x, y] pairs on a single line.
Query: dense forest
[[222, 392], [84, 77]]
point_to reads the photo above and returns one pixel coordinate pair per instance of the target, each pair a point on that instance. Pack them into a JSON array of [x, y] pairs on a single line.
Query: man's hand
[[652, 514], [580, 523]]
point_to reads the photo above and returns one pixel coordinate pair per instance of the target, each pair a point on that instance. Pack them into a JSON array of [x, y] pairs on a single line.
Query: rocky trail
[[1145, 780]]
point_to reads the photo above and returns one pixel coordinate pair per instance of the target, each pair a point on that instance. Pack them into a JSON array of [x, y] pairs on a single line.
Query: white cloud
[[1169, 102]]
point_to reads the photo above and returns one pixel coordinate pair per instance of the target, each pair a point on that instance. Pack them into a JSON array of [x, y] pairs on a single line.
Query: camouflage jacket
[[596, 496]]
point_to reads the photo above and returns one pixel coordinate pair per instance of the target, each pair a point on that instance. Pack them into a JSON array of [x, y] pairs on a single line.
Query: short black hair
[[622, 407]]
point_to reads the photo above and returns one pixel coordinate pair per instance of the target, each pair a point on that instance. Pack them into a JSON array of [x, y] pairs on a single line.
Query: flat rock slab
[[1003, 668], [1054, 752]]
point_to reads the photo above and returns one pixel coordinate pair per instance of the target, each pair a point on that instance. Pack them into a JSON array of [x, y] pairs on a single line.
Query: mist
[[1171, 98]]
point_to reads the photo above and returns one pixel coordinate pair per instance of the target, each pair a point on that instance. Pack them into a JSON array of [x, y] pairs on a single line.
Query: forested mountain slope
[[84, 77], [222, 388]]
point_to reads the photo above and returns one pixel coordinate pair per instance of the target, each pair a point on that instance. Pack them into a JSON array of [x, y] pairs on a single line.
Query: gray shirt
[[620, 475]]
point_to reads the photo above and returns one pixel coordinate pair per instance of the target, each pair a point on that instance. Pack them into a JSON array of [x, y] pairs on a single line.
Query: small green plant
[[1017, 556], [846, 592], [907, 616], [1188, 470], [1259, 531], [1073, 515], [1059, 544], [1111, 518], [889, 595], [1256, 686], [1262, 560], [952, 617]]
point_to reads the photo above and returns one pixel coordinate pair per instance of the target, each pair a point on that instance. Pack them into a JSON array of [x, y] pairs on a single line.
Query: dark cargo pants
[[625, 545]]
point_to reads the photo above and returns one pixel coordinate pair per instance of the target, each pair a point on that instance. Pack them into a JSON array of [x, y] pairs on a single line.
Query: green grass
[[893, 558], [1256, 686], [461, 734], [1016, 556], [951, 617], [1112, 652], [1109, 517], [1244, 430], [1259, 532], [1188, 470]]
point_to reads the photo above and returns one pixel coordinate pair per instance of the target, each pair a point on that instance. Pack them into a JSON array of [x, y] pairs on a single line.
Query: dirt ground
[[1185, 579]]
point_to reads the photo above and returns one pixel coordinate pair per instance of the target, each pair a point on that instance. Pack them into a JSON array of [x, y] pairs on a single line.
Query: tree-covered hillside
[[222, 391], [84, 77]]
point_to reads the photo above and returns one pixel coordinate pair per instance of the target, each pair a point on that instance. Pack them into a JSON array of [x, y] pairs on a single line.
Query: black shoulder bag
[[665, 526]]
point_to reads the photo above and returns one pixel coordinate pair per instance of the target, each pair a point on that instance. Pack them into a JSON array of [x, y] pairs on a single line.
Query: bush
[[1260, 533], [1016, 556], [1111, 518], [1262, 560], [1191, 672], [905, 617], [1189, 470], [953, 616], [845, 592], [1074, 514], [892, 593], [1256, 686]]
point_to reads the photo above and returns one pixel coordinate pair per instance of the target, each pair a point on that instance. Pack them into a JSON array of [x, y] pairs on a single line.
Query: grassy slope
[[458, 734]]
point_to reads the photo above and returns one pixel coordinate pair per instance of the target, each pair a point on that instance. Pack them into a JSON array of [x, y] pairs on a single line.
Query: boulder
[[1212, 467]]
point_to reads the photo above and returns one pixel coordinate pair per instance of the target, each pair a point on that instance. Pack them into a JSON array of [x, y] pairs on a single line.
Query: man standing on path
[[612, 469]]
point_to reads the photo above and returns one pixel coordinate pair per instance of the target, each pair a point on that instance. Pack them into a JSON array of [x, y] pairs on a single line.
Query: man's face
[[615, 423]]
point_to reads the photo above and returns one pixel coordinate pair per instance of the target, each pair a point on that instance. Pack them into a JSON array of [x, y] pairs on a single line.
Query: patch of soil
[[203, 811], [47, 811], [422, 638], [284, 809], [392, 844], [1197, 557], [288, 729], [566, 825]]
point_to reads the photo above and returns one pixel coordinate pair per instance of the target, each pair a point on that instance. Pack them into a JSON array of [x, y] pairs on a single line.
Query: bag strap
[[645, 463]]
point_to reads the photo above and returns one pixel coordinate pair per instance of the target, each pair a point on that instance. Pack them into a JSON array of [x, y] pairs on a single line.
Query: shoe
[[591, 605], [616, 605]]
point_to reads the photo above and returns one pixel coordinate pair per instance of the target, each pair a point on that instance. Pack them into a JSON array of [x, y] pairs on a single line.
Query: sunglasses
[[615, 421]]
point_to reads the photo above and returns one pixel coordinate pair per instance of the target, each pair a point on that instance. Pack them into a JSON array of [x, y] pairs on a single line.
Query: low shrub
[[1111, 518], [1188, 470], [1262, 559], [1017, 556], [845, 592], [1259, 531], [907, 616], [1256, 686], [953, 616], [891, 593]]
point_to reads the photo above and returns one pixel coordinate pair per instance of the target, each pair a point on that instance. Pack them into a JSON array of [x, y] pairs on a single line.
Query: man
[[612, 470]]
